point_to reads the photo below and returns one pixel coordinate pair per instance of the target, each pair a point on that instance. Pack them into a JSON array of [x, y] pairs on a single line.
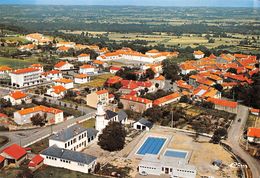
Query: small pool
[[176, 154], [152, 145]]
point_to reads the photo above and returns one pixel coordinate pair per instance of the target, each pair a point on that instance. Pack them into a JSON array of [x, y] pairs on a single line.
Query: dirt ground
[[201, 153]]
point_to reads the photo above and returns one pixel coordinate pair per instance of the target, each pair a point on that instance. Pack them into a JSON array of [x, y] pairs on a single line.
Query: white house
[[57, 91], [68, 159], [74, 138], [143, 124], [104, 117], [63, 65], [114, 69], [253, 135], [100, 96], [66, 83], [23, 116], [151, 165], [198, 54], [25, 77], [87, 69], [81, 78], [17, 97], [52, 75], [84, 57]]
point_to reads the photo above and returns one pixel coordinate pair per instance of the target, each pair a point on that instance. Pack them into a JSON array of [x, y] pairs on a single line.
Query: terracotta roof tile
[[253, 132], [15, 151]]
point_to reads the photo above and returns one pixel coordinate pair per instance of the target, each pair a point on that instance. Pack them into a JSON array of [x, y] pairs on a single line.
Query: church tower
[[100, 118]]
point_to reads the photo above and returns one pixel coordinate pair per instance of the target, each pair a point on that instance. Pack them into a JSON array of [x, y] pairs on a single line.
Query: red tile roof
[[198, 52], [2, 159], [136, 99], [86, 66], [3, 115], [253, 132], [100, 92], [18, 95], [63, 80], [113, 80], [36, 160], [115, 68], [166, 98], [39, 109], [15, 151], [5, 68], [84, 55], [58, 89], [81, 76], [223, 102], [60, 64], [25, 70]]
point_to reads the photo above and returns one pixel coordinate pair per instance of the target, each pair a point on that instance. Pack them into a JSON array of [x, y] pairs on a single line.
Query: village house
[[5, 70], [68, 159], [96, 97], [23, 116], [25, 77], [81, 78], [198, 54], [57, 91], [158, 82], [13, 154], [66, 44], [136, 104], [225, 105], [35, 163], [28, 47], [52, 75], [63, 65], [84, 57], [143, 124], [17, 98], [66, 83], [38, 39], [204, 92], [183, 86], [113, 80], [87, 69], [174, 97], [37, 66], [63, 49], [255, 112], [74, 138], [114, 69], [253, 135], [104, 117]]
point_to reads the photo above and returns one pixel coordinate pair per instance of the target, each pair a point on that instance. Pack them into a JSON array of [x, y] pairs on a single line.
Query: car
[[143, 173]]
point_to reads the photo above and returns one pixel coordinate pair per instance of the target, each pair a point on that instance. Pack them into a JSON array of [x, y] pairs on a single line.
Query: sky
[[209, 3]]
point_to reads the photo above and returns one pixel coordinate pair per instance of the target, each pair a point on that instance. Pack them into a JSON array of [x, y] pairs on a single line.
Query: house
[[37, 66], [198, 54], [66, 44], [13, 154], [87, 69], [99, 63], [114, 69], [74, 138], [159, 82], [111, 98], [225, 105], [68, 159], [84, 57], [34, 37], [104, 117], [35, 163], [66, 83], [63, 65], [253, 135], [174, 97], [5, 69], [113, 80], [2, 161], [183, 86], [100, 96], [143, 124], [136, 104], [53, 115], [17, 97], [25, 77], [255, 111], [52, 75], [81, 78], [28, 47], [174, 167], [57, 91], [63, 49]]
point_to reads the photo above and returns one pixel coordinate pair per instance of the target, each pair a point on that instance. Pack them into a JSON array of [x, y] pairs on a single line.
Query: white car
[[143, 173]]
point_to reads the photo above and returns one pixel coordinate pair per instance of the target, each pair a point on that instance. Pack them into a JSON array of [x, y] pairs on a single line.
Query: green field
[[15, 39], [97, 81], [89, 123], [17, 63]]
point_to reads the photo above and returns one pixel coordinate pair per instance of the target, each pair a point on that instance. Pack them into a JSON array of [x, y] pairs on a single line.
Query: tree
[[5, 103], [155, 113], [120, 105], [218, 87], [218, 135], [170, 69], [232, 70], [150, 74], [39, 120], [112, 137]]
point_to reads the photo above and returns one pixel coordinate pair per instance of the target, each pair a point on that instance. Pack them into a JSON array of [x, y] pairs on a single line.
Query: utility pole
[[172, 119]]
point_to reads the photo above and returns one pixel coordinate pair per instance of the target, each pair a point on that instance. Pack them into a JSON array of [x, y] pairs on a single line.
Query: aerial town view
[[129, 89]]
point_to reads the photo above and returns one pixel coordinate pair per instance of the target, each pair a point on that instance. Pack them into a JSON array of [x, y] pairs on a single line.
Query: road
[[234, 134], [25, 137]]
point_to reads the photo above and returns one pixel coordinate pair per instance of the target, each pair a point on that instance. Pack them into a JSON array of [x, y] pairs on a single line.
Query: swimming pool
[[176, 154], [152, 145]]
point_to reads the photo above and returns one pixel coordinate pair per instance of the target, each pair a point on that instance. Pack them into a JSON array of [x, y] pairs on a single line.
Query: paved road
[[234, 133], [27, 136]]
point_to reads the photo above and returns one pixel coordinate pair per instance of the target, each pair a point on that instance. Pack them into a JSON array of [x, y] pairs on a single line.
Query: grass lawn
[[15, 39], [3, 140], [17, 63], [89, 123], [97, 81], [40, 145], [253, 121]]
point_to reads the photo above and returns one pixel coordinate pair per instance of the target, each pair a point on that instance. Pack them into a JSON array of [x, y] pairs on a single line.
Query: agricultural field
[[97, 81], [17, 63], [253, 121], [15, 39]]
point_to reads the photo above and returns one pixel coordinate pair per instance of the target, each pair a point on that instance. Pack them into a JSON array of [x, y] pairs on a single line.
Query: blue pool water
[[152, 145], [175, 154]]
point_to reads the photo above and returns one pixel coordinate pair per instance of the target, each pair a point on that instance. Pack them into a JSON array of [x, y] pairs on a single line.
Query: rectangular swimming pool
[[176, 153], [152, 145]]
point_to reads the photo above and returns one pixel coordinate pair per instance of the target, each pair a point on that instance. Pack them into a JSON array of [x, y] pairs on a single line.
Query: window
[[65, 145]]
